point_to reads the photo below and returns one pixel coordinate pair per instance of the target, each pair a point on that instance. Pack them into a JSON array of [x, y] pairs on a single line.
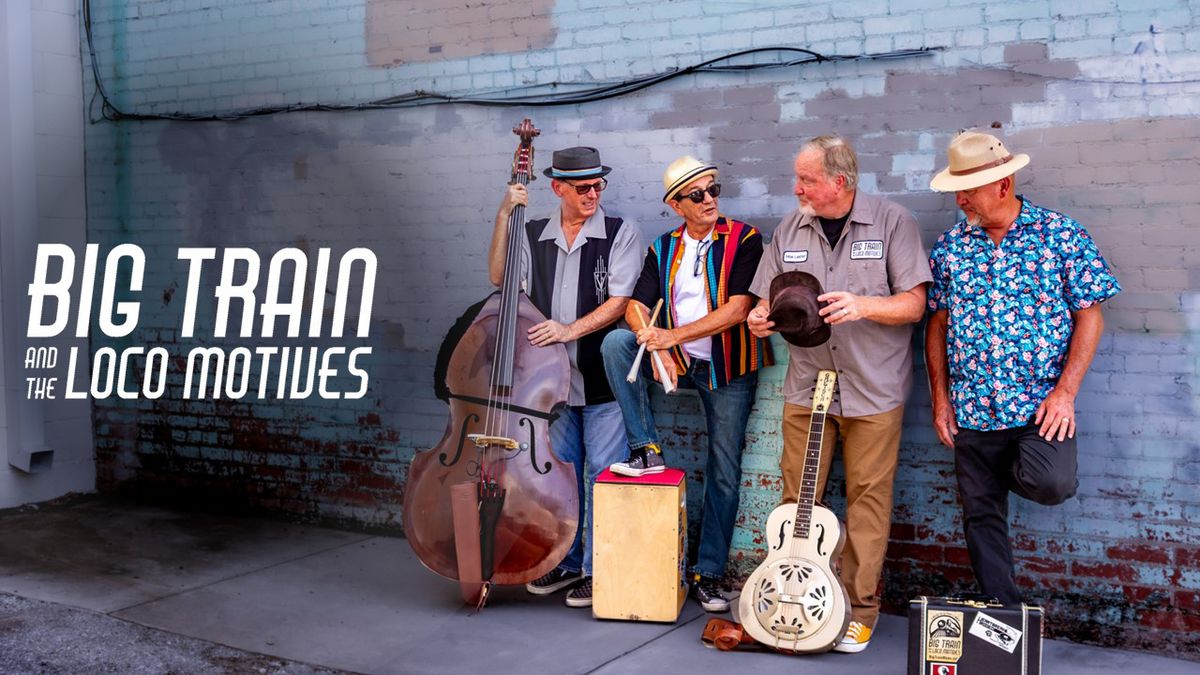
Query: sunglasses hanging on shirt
[[701, 255]]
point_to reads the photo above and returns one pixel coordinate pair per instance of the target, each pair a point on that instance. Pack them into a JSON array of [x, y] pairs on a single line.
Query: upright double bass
[[492, 503]]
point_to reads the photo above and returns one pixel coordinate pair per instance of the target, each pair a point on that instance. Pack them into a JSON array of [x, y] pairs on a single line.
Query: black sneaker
[[581, 595], [705, 591], [554, 580], [641, 462]]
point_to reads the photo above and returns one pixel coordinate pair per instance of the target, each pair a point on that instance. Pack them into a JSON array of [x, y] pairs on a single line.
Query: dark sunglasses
[[698, 195], [584, 189]]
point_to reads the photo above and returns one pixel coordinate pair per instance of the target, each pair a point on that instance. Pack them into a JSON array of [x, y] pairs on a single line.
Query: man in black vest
[[578, 267]]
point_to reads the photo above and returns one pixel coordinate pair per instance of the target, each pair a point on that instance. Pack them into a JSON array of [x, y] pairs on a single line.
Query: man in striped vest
[[702, 270], [578, 267]]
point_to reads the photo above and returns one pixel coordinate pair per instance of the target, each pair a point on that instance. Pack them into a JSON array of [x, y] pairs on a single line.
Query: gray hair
[[838, 158]]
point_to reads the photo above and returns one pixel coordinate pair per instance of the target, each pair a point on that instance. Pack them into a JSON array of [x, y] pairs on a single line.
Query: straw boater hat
[[795, 310], [576, 163], [976, 159], [683, 171]]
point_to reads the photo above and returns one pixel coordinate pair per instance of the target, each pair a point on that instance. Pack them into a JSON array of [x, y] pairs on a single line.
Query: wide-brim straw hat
[[683, 171], [976, 159]]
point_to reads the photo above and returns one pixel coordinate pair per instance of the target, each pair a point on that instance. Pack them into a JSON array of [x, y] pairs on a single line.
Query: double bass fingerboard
[[522, 172], [822, 397]]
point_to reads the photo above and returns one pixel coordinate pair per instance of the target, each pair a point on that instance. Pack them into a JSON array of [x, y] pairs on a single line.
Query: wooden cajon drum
[[640, 551]]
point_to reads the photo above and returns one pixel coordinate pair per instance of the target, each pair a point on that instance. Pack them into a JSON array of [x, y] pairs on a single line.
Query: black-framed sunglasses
[[584, 189], [701, 254], [698, 195]]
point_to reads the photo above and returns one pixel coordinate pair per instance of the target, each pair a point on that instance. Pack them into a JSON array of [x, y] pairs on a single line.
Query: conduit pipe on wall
[[22, 422]]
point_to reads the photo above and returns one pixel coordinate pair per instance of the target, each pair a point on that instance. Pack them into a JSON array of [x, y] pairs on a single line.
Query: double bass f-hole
[[545, 468], [462, 438]]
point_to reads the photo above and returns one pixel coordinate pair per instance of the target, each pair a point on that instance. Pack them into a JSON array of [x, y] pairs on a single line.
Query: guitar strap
[[725, 635]]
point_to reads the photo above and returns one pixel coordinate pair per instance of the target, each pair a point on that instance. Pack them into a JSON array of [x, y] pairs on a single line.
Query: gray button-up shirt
[[624, 264], [879, 254]]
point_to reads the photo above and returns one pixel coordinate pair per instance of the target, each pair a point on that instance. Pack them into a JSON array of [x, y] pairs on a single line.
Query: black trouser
[[991, 463]]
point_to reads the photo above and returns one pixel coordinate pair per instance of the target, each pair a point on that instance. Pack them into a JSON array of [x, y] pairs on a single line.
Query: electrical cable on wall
[[515, 97], [551, 93]]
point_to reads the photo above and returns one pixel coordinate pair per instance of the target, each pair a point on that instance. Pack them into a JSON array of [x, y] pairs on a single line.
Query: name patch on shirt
[[868, 249], [797, 256]]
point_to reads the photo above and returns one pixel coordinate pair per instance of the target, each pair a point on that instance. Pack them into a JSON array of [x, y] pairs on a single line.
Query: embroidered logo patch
[[600, 276], [868, 249], [796, 256], [996, 632]]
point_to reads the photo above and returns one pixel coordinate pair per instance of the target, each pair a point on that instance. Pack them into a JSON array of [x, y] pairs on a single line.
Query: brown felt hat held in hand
[[795, 310]]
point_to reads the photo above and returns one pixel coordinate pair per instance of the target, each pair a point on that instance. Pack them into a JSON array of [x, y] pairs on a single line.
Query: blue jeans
[[726, 410], [589, 437]]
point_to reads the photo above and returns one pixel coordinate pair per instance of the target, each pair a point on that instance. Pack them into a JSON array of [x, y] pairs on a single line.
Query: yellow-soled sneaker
[[856, 639]]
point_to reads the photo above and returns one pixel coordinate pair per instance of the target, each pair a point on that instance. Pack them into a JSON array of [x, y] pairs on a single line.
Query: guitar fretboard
[[808, 481]]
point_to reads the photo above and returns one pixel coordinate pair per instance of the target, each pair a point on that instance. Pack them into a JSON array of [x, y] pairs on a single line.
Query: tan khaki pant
[[870, 447]]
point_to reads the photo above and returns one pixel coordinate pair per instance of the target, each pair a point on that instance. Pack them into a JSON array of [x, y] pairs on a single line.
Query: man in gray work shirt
[[866, 253], [578, 267]]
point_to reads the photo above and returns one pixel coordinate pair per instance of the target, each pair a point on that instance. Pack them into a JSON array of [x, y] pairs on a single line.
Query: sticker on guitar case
[[996, 632], [945, 636]]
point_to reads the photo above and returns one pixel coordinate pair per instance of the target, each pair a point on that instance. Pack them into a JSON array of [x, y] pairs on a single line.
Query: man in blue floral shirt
[[1015, 321]]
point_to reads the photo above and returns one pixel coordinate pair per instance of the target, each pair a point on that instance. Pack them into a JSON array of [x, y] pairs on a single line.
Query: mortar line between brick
[[113, 612]]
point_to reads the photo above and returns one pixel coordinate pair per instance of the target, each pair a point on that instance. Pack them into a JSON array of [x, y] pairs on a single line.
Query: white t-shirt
[[690, 302]]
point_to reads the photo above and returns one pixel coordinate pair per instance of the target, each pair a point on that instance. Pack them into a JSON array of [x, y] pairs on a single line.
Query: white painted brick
[[1174, 106], [912, 41], [676, 10], [890, 25], [1017, 10], [991, 54], [955, 18], [1081, 49], [859, 9], [1036, 30], [1070, 29], [1103, 26], [878, 44], [673, 47], [692, 27], [905, 6], [835, 30], [498, 62], [1076, 8], [1161, 20], [746, 21], [905, 163]]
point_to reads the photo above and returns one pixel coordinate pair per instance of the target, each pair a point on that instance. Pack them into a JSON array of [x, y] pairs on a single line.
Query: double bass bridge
[[484, 441], [511, 447]]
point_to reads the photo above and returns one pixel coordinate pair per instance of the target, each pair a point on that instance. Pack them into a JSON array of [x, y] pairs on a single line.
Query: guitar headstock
[[522, 166], [823, 394]]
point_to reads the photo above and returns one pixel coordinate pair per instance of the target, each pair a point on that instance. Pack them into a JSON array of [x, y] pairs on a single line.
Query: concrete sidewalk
[[101, 586]]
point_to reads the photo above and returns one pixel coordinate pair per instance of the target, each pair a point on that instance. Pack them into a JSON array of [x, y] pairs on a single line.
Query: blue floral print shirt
[[1010, 307]]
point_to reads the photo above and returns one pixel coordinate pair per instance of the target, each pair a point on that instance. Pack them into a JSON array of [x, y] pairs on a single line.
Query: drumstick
[[656, 359], [637, 361]]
